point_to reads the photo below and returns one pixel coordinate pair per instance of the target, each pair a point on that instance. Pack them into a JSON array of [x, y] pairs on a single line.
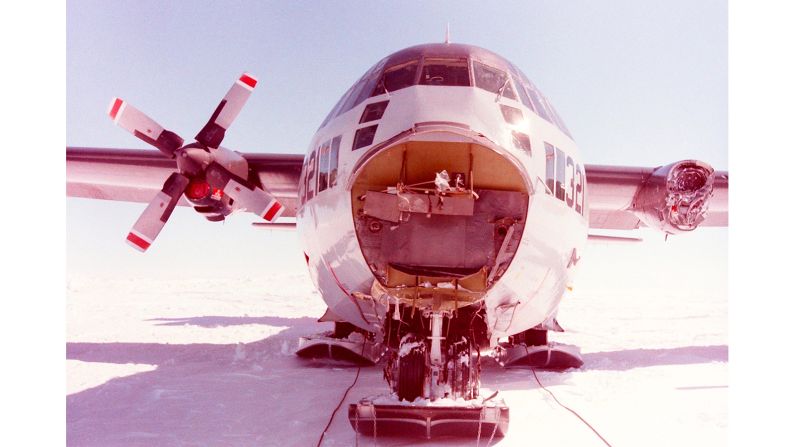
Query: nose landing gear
[[435, 384]]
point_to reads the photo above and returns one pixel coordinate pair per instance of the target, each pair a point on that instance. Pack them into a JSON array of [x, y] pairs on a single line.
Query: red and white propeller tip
[[230, 106], [140, 125], [247, 80], [156, 214], [138, 241], [273, 212], [115, 107], [254, 199]]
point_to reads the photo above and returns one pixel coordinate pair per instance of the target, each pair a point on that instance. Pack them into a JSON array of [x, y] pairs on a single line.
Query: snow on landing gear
[[435, 384], [409, 369], [346, 343], [530, 349]]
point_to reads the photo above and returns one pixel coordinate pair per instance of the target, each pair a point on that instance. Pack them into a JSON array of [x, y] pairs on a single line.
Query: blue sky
[[637, 83]]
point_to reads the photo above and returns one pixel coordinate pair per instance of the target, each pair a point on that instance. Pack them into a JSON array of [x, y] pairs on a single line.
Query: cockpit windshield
[[396, 78], [447, 65], [493, 80], [453, 72]]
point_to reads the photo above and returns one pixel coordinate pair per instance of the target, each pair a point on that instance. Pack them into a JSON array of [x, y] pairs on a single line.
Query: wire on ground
[[572, 411], [331, 419]]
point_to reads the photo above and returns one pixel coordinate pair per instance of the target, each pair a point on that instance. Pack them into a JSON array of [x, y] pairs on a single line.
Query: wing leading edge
[[135, 175]]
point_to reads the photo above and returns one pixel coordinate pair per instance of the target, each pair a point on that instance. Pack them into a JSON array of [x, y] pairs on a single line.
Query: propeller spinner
[[208, 175]]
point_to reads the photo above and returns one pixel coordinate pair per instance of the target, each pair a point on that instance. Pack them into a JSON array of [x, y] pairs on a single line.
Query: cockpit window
[[520, 86], [442, 66], [336, 110], [493, 80], [362, 88], [524, 98], [558, 121], [453, 72], [396, 78], [538, 103]]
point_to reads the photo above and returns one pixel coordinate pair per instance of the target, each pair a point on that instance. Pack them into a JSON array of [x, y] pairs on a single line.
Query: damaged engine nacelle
[[675, 198]]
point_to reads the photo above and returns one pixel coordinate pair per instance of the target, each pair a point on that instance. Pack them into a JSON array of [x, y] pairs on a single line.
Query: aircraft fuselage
[[519, 215]]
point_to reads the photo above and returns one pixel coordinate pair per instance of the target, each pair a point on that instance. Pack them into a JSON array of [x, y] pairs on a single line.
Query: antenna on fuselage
[[447, 34]]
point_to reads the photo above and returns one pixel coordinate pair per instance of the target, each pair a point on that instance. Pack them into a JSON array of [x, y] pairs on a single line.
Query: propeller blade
[[255, 200], [154, 217], [213, 132], [137, 123], [244, 194]]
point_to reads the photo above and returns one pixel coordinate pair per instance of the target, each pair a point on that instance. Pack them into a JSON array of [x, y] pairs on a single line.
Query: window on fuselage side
[[512, 115], [302, 183], [323, 167], [454, 72], [493, 80], [396, 78], [334, 158], [522, 141], [310, 177], [560, 175], [364, 137], [550, 164], [373, 112]]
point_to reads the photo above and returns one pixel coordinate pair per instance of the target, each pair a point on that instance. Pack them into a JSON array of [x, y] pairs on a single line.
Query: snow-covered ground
[[210, 362]]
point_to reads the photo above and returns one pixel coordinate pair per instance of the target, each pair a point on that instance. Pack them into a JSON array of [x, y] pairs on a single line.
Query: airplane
[[442, 206]]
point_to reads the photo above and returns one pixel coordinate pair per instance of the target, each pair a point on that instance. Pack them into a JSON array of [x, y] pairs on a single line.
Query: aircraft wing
[[614, 190], [135, 175]]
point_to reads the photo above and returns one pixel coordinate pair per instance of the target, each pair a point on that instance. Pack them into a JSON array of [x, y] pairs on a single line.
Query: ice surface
[[84, 375], [210, 362]]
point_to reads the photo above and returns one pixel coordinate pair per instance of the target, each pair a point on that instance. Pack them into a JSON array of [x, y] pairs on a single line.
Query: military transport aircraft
[[442, 206]]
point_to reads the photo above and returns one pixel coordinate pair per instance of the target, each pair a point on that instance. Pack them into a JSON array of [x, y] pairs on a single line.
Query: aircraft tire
[[411, 375]]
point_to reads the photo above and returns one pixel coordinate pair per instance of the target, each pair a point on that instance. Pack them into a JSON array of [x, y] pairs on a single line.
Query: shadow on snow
[[260, 393], [208, 394]]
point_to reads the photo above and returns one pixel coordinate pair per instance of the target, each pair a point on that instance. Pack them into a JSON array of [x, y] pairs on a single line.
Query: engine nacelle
[[205, 188], [675, 198]]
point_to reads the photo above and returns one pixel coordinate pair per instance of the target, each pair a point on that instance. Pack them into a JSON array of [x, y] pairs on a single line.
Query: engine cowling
[[205, 188], [675, 198]]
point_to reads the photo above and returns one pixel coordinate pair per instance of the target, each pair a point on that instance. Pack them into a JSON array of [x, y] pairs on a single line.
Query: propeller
[[213, 132], [156, 214], [210, 176]]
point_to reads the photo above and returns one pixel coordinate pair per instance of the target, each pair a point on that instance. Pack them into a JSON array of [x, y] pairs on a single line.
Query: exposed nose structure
[[439, 217]]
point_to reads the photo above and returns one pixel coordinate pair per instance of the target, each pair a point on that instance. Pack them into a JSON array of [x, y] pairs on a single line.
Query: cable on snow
[[572, 411], [331, 419]]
